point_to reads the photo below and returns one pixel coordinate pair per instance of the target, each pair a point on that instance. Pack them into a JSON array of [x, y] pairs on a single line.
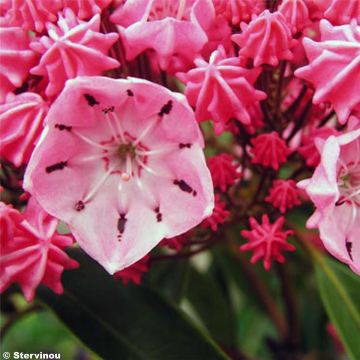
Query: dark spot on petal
[[58, 166], [91, 100], [108, 109], [157, 209], [182, 146], [121, 223], [348, 245], [184, 187], [159, 217], [79, 205], [166, 108], [129, 92], [62, 127]]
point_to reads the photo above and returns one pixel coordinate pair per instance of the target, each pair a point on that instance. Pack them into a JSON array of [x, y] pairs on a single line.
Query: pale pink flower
[[171, 28], [86, 9], [283, 195], [267, 241], [31, 14], [296, 14], [16, 59], [334, 67], [266, 39], [269, 150], [224, 171], [121, 163], [32, 252], [335, 191], [221, 90], [21, 122], [73, 48]]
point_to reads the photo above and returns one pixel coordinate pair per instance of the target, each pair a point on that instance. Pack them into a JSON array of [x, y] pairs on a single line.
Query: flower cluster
[[106, 108]]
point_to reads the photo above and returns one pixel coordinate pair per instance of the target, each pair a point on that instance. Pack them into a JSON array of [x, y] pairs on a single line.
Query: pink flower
[[269, 150], [21, 122], [134, 272], [218, 217], [334, 67], [169, 27], [339, 12], [224, 171], [86, 9], [221, 90], [266, 39], [16, 59], [296, 14], [283, 195], [31, 14], [238, 10], [73, 48], [267, 240], [308, 149], [334, 189], [121, 163], [32, 251], [9, 220]]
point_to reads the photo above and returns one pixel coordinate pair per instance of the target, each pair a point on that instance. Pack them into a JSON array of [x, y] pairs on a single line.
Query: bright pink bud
[[267, 241], [266, 39], [32, 250], [296, 14], [283, 195], [224, 171], [334, 67], [218, 217], [269, 150], [135, 272]]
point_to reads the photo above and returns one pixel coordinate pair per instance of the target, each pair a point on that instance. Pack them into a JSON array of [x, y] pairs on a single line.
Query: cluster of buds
[[106, 108]]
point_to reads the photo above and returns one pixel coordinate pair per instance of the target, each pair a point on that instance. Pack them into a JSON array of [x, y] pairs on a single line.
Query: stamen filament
[[91, 142]]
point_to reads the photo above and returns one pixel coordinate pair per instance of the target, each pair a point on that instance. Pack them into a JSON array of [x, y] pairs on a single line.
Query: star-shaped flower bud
[[267, 39], [269, 150], [218, 217], [283, 195], [224, 171], [267, 240], [296, 14], [334, 67], [32, 251], [73, 48], [121, 163], [134, 272]]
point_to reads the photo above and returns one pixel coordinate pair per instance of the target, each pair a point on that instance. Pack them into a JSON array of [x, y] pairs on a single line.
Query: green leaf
[[125, 322], [209, 303], [340, 293]]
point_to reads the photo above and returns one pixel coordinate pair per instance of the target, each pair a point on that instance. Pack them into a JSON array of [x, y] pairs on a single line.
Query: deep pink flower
[[121, 163], [218, 217], [21, 122], [334, 67], [9, 220], [16, 59], [238, 10], [224, 171], [269, 150], [169, 27], [177, 242], [296, 14], [266, 39], [335, 191], [267, 240], [32, 251], [283, 195], [86, 9], [339, 12], [221, 90], [308, 149], [134, 272], [73, 48], [31, 14]]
